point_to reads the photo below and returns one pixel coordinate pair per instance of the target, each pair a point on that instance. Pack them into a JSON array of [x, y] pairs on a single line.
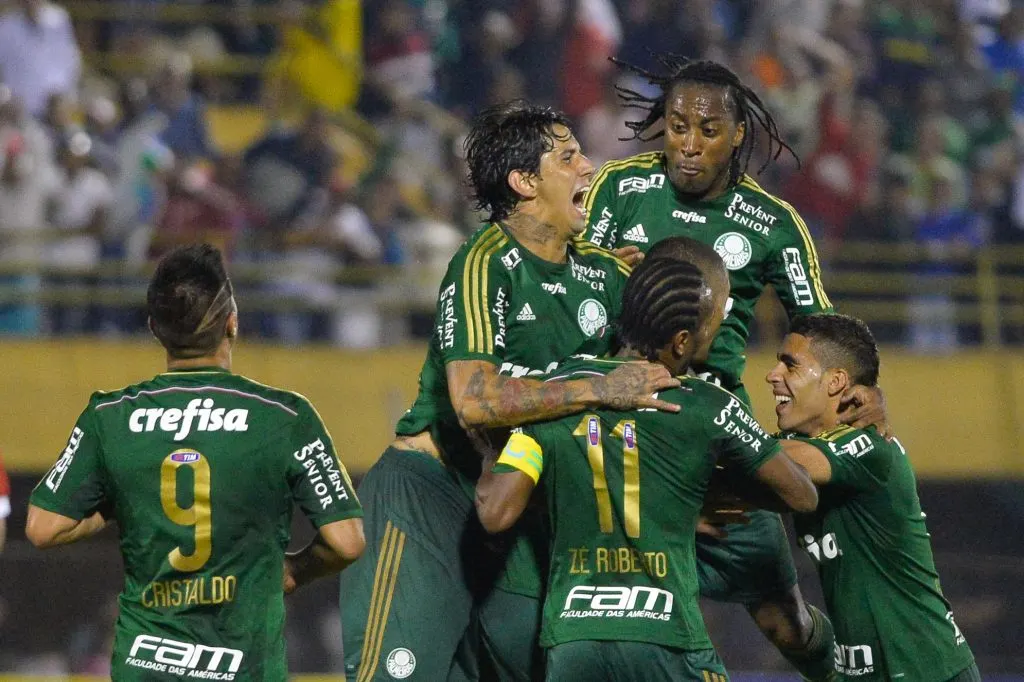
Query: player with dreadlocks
[[622, 594], [708, 120]]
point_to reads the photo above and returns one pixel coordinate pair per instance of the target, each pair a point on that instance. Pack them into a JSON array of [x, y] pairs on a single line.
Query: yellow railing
[[990, 291]]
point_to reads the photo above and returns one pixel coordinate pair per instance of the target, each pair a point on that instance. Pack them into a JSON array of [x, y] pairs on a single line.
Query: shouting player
[[697, 186], [868, 535], [622, 596], [520, 295], [200, 469]]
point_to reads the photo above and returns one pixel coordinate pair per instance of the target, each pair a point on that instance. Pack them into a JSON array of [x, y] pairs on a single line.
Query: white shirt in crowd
[[38, 60], [77, 200], [23, 210]]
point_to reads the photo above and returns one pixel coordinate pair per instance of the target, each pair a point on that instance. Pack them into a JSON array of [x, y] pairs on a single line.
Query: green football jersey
[[502, 304], [869, 541], [761, 238], [201, 470], [624, 491]]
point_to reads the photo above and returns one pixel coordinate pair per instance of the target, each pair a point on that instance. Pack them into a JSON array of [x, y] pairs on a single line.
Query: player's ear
[[741, 133], [231, 327], [524, 184], [149, 325], [681, 342], [838, 382]]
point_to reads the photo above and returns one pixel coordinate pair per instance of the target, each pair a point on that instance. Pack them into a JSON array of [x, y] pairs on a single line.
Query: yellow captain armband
[[524, 453]]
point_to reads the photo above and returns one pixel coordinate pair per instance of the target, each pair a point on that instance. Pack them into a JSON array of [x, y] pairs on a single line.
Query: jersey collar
[[198, 370]]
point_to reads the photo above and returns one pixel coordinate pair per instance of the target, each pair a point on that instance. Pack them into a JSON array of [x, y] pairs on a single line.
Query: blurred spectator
[[834, 181], [185, 132], [399, 60], [981, 18], [888, 212], [964, 74], [1005, 54], [286, 169], [28, 183], [101, 124], [315, 250], [384, 206], [905, 35], [594, 36], [948, 234], [928, 160], [994, 132], [603, 132], [544, 27], [38, 53], [652, 27], [57, 118], [485, 61], [5, 503], [847, 29], [930, 104], [198, 209], [81, 211], [786, 69]]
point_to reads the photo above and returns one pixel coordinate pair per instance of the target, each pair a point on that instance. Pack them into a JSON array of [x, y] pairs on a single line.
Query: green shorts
[[632, 662], [508, 628], [406, 603], [752, 565]]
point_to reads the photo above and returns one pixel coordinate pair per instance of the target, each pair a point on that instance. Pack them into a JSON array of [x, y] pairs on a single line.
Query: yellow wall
[[958, 416]]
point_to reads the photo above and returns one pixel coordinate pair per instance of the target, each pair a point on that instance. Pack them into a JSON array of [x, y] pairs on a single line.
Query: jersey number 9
[[197, 516]]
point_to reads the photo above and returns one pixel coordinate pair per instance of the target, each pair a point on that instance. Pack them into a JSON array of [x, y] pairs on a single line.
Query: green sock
[[815, 661]]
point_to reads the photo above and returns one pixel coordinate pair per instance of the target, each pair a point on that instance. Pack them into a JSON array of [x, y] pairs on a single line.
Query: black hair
[[189, 300], [505, 138], [689, 249], [745, 105], [662, 297], [841, 342]]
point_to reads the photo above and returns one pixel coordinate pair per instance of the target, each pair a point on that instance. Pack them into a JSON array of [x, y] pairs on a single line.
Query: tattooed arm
[[482, 398]]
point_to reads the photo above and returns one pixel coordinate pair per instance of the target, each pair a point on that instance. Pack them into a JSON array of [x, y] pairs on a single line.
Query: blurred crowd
[[905, 116]]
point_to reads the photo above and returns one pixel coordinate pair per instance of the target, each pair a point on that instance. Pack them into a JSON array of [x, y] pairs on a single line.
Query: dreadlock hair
[[662, 297], [189, 301], [744, 103], [841, 342], [504, 138]]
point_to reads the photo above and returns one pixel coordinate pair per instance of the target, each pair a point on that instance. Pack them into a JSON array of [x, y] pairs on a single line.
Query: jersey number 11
[[625, 430]]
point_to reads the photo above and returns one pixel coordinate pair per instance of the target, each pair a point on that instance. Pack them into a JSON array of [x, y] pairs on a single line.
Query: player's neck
[[628, 353], [827, 421], [220, 358], [540, 238]]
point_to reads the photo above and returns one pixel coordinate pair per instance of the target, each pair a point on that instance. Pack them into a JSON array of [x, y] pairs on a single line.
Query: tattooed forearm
[[477, 395], [484, 399]]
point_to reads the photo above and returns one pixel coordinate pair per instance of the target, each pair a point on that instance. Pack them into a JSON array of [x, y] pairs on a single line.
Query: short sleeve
[[319, 482], [858, 462], [740, 441], [473, 304], [795, 271], [74, 485]]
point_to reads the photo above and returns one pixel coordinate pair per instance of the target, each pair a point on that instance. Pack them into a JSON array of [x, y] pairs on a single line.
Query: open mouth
[[579, 200], [782, 402]]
